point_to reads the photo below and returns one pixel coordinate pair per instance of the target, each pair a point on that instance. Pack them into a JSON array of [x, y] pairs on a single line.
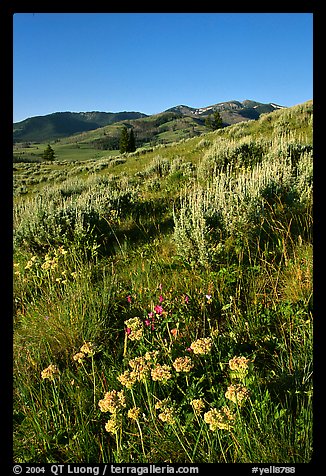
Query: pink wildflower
[[129, 299], [158, 309], [147, 322], [186, 299], [128, 330], [161, 298]]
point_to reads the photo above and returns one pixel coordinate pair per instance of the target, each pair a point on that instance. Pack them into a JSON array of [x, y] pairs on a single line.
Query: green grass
[[119, 254]]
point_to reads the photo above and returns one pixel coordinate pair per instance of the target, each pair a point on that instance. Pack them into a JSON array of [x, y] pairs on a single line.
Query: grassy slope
[[259, 308]]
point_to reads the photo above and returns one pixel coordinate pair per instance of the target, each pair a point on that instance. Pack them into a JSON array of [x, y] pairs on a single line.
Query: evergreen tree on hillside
[[214, 121], [48, 153], [131, 141], [124, 139], [127, 141]]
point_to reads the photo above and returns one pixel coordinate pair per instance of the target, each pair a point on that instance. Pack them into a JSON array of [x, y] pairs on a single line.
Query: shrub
[[237, 204]]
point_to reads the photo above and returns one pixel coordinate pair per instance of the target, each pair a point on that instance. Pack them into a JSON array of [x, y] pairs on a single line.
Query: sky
[[149, 62]]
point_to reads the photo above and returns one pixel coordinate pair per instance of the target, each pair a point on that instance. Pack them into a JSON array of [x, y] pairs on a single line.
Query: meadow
[[163, 300]]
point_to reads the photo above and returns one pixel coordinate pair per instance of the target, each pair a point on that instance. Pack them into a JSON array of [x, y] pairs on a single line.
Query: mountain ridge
[[59, 125]]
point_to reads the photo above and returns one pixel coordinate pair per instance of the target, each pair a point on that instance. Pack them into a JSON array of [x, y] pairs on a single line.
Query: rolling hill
[[64, 124], [173, 124]]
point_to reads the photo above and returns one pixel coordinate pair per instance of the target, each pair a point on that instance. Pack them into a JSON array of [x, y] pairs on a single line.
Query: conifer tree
[[214, 123], [48, 153], [131, 141], [124, 139], [127, 141]]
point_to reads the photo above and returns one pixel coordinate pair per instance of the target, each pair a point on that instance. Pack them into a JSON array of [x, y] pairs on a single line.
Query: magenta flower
[[128, 330], [158, 309], [148, 322], [129, 299], [186, 299], [161, 298], [151, 314]]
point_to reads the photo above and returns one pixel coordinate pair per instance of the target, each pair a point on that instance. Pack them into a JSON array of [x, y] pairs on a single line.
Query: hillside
[[163, 300], [162, 127], [63, 124]]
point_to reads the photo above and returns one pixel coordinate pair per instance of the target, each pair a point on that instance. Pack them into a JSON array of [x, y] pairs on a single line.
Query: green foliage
[[127, 141], [124, 138], [48, 153], [214, 121]]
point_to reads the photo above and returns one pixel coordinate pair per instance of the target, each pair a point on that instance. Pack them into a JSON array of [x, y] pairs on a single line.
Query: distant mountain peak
[[64, 124]]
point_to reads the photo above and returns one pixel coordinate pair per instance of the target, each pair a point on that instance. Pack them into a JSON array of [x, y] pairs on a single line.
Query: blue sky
[[149, 62]]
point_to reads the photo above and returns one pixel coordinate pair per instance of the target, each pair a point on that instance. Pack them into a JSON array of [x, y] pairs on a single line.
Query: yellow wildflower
[[88, 348], [167, 416], [127, 378], [29, 264], [79, 357], [239, 367], [140, 367], [237, 393], [112, 425], [112, 402], [161, 404], [167, 412], [46, 265], [201, 346], [161, 372], [219, 419], [133, 413], [134, 328], [50, 372], [183, 364], [151, 355], [62, 251], [198, 405]]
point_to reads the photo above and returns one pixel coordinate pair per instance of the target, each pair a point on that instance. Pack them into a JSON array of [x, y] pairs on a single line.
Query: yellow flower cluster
[[133, 413], [50, 372], [237, 394], [140, 371], [112, 402], [112, 425], [88, 349], [201, 346], [239, 367], [167, 413], [127, 378], [79, 357], [219, 419], [183, 364], [151, 356], [161, 373], [50, 262], [31, 262], [198, 405], [134, 328], [239, 363]]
